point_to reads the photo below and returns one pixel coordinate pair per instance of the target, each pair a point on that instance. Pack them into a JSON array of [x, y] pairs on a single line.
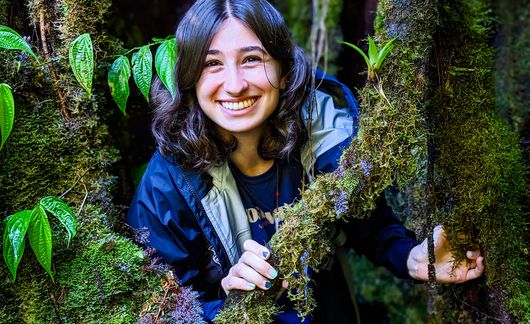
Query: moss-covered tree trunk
[[60, 145]]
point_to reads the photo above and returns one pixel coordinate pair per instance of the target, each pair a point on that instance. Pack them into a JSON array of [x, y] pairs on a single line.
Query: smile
[[230, 105]]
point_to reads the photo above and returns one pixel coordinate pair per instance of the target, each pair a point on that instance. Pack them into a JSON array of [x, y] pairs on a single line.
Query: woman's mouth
[[238, 105]]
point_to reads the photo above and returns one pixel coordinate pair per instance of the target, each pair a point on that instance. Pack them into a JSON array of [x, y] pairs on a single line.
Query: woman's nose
[[235, 82]]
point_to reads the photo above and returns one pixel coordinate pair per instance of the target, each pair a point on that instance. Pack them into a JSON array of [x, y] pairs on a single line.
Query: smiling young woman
[[230, 150]]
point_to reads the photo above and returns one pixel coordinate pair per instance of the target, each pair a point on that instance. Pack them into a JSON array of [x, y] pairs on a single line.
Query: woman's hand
[[251, 271], [446, 271]]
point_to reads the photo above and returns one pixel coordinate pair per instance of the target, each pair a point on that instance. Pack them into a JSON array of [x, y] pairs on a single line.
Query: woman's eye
[[211, 63], [252, 59]]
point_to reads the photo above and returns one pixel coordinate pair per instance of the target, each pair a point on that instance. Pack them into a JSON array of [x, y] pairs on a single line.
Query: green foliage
[[7, 112], [118, 79], [81, 56], [14, 239], [35, 223], [143, 69], [10, 39], [375, 57], [62, 212], [405, 302], [165, 59], [40, 238]]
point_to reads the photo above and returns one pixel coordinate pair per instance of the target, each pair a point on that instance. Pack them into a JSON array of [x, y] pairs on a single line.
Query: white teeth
[[238, 105]]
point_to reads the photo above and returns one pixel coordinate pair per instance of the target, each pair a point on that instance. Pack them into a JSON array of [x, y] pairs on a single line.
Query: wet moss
[[104, 282]]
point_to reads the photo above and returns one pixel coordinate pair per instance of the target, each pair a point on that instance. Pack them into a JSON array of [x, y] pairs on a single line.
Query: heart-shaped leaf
[[14, 239], [64, 214], [142, 71], [40, 238], [81, 55], [7, 112], [165, 59], [118, 79]]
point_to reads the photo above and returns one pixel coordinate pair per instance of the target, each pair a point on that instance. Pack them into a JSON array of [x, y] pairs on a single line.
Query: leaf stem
[[42, 21]]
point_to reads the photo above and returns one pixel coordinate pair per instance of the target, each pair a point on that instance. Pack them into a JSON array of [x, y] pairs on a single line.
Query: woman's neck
[[246, 157], [248, 161]]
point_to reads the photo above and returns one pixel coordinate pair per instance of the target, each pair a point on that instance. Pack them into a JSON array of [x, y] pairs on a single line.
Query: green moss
[[480, 184], [99, 278], [105, 282]]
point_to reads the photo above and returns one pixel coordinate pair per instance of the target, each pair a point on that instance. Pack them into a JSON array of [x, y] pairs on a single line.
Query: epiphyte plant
[[35, 223], [375, 58]]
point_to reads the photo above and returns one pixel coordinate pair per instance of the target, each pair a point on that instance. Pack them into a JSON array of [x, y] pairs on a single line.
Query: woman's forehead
[[234, 34]]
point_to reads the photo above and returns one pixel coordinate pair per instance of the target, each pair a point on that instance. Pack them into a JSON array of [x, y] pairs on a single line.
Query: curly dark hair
[[180, 127]]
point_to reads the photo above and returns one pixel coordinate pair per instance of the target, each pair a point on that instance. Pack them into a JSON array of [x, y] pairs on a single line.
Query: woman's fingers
[[477, 271], [252, 270], [256, 248], [232, 282]]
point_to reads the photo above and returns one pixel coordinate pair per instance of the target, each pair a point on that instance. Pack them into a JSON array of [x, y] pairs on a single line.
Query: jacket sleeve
[[159, 208]]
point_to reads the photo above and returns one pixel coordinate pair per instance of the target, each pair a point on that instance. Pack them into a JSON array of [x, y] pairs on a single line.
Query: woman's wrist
[[415, 264]]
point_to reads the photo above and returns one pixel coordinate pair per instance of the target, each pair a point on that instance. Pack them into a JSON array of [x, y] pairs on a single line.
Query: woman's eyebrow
[[244, 49], [253, 48]]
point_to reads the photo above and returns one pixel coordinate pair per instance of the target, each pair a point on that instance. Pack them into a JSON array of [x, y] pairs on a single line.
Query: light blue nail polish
[[265, 254], [251, 285], [273, 273]]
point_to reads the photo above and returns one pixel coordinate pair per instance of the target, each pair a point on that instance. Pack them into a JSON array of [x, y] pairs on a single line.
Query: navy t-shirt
[[261, 196]]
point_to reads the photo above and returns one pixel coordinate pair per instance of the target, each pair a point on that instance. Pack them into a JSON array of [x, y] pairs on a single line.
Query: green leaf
[[165, 59], [64, 214], [372, 51], [7, 112], [118, 80], [81, 55], [10, 39], [360, 51], [14, 239], [143, 70], [384, 52], [40, 238]]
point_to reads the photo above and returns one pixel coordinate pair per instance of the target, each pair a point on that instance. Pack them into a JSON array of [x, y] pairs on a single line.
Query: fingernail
[[268, 284], [265, 254], [273, 273], [251, 285]]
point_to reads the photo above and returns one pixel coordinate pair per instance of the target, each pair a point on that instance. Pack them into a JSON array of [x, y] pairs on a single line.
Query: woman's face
[[240, 83]]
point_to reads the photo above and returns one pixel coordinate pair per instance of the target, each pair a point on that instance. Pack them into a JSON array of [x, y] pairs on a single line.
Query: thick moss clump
[[104, 282]]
